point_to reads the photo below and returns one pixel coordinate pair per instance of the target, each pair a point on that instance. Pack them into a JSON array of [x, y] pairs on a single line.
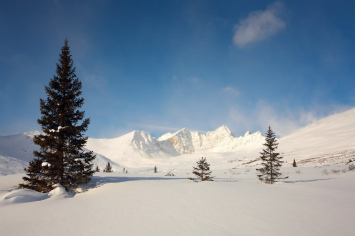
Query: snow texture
[[316, 199]]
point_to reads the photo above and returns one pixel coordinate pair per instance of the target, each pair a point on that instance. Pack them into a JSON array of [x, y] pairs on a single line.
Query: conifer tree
[[294, 163], [108, 168], [97, 169], [61, 158], [202, 171], [155, 169], [271, 161]]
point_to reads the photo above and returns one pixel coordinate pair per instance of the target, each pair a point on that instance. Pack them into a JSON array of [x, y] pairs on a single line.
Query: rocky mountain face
[[220, 140], [133, 148]]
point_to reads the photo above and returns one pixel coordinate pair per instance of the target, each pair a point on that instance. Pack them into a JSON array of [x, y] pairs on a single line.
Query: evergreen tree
[[155, 169], [294, 163], [271, 161], [97, 169], [61, 158], [202, 171], [108, 168]]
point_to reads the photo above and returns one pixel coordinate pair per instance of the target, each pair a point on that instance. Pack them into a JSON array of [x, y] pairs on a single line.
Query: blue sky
[[159, 66]]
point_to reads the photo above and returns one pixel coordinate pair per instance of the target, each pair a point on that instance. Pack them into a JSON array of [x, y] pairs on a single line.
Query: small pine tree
[[202, 171], [97, 169], [108, 168], [271, 161], [61, 158], [294, 163], [155, 169]]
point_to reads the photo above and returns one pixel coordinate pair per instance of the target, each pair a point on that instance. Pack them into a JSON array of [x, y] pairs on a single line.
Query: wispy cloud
[[259, 25], [282, 122], [150, 128], [231, 90]]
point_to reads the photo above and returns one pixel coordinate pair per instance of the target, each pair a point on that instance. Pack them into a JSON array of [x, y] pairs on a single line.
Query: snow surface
[[144, 203], [316, 199]]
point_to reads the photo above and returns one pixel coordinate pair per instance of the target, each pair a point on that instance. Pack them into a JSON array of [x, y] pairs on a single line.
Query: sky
[[160, 66]]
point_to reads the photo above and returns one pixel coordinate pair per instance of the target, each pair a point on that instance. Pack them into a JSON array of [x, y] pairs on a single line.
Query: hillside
[[138, 148], [16, 151], [325, 142], [316, 199]]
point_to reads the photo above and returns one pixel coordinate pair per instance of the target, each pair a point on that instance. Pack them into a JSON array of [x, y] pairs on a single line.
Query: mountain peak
[[224, 129], [31, 134]]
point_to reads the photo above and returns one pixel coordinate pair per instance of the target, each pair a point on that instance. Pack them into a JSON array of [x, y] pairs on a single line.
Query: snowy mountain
[[220, 140], [327, 141], [134, 146], [16, 151]]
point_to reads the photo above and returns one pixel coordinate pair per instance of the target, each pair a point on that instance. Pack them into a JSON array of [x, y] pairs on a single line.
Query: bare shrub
[[336, 172], [325, 172], [351, 167], [233, 172], [231, 180], [170, 174], [298, 172]]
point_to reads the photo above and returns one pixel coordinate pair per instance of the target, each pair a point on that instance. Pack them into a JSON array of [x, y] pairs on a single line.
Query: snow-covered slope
[[16, 151], [138, 147], [325, 141], [131, 147], [330, 138], [220, 140]]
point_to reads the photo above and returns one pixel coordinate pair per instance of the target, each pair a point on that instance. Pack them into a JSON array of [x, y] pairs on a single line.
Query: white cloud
[[281, 122], [156, 128], [259, 25], [231, 90]]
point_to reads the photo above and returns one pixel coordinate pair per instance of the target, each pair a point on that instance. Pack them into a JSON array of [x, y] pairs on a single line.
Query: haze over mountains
[[16, 151], [325, 141], [184, 141]]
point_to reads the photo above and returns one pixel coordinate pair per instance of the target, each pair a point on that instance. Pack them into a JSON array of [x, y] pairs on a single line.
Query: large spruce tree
[[271, 161], [202, 171], [61, 158]]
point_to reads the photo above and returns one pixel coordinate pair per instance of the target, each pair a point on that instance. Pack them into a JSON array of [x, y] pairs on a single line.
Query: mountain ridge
[[328, 140]]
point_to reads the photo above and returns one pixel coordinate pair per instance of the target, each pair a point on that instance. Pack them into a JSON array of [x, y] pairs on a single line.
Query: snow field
[[316, 199], [308, 203]]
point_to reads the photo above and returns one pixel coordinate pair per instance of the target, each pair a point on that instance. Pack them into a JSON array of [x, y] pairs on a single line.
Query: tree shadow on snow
[[302, 181], [98, 181]]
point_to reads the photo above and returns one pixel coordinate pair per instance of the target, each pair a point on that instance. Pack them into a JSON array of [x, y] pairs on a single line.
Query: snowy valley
[[316, 199]]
